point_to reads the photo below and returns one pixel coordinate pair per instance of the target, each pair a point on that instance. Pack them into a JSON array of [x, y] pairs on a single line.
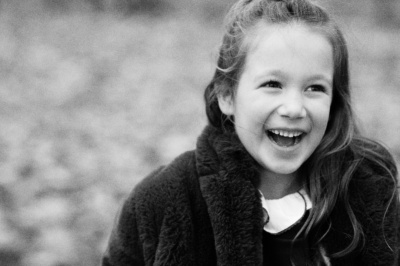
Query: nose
[[292, 106]]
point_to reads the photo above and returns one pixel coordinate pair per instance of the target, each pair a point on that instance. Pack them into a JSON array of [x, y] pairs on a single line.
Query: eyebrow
[[322, 77], [261, 75]]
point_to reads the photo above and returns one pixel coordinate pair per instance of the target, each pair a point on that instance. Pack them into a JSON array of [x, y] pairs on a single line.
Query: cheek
[[325, 117], [321, 112], [250, 119], [319, 116], [322, 122], [253, 108]]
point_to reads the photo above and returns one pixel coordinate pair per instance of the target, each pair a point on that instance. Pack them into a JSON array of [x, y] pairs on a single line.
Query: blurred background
[[94, 94]]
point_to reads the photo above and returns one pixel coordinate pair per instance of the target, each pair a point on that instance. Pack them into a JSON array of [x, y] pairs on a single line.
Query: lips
[[285, 138]]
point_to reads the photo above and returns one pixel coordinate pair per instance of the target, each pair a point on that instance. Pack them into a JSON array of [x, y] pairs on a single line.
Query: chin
[[287, 171]]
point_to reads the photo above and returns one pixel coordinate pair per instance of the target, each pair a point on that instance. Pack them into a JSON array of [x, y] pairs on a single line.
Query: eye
[[316, 88], [271, 84]]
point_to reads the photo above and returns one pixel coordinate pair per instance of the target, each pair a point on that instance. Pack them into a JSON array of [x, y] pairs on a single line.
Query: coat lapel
[[228, 184]]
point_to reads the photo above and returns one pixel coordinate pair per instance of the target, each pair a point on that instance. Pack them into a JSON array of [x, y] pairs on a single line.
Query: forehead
[[263, 32], [271, 43]]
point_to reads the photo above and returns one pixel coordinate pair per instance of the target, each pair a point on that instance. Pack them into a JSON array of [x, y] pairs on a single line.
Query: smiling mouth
[[285, 138]]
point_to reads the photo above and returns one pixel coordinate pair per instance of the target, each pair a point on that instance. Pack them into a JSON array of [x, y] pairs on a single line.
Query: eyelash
[[272, 84], [317, 88], [277, 84]]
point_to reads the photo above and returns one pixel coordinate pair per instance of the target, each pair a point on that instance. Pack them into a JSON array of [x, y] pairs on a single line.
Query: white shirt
[[281, 214]]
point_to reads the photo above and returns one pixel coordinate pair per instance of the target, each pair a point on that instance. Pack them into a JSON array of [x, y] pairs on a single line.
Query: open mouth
[[285, 138]]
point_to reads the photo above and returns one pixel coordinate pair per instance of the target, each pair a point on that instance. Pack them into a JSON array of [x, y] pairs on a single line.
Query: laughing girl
[[281, 175]]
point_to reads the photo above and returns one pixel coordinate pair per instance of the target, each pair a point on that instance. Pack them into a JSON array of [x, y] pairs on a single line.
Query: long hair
[[341, 151]]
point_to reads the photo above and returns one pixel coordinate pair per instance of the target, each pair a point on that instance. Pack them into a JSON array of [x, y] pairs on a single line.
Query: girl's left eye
[[316, 88]]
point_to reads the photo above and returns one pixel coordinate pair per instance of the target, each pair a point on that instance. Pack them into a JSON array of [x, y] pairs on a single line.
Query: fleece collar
[[228, 182]]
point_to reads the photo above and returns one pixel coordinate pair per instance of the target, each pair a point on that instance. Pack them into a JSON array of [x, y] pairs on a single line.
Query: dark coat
[[204, 209]]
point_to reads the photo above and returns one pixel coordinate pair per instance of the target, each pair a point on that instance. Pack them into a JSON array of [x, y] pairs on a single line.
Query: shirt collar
[[281, 214]]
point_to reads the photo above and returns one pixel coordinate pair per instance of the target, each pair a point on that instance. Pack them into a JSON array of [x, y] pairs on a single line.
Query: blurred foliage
[[94, 94]]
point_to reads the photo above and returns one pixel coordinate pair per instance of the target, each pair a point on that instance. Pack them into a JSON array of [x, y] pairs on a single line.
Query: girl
[[280, 176]]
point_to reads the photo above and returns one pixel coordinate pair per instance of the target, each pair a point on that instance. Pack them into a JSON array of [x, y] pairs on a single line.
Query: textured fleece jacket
[[205, 209]]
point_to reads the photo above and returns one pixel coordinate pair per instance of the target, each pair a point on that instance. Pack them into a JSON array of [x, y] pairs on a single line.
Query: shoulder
[[374, 191], [159, 199], [374, 197], [169, 176], [164, 185], [375, 174], [373, 158]]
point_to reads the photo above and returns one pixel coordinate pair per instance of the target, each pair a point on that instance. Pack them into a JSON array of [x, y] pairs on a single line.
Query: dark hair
[[332, 165]]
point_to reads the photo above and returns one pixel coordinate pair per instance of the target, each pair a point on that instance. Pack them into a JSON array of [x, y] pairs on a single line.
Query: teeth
[[284, 133]]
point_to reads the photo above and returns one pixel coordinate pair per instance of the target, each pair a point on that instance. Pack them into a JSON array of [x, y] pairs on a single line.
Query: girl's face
[[282, 102]]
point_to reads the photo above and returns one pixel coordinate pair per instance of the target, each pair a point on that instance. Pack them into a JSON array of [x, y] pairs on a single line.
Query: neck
[[276, 186]]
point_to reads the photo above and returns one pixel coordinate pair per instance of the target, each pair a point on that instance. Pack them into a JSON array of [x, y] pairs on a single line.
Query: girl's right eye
[[271, 84]]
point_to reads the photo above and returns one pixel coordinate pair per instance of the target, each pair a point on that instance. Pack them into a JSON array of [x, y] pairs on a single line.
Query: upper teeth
[[284, 133]]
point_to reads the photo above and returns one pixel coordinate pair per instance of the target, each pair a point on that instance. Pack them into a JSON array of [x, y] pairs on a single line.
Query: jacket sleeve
[[134, 237]]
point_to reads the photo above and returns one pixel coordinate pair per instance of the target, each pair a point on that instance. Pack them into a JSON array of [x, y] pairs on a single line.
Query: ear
[[226, 105]]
